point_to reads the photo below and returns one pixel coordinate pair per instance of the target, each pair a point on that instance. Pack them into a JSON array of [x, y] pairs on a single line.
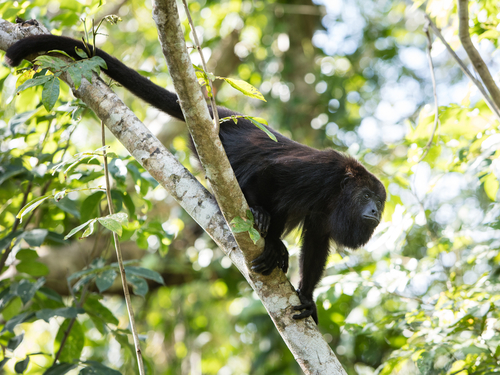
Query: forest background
[[421, 297]]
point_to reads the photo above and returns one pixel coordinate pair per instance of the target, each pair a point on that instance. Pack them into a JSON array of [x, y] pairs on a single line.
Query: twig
[[64, 339], [466, 71], [474, 56], [434, 90], [72, 321], [7, 251], [119, 258], [215, 114]]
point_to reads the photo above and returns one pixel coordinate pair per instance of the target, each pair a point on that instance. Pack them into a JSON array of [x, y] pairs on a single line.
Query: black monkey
[[331, 195]]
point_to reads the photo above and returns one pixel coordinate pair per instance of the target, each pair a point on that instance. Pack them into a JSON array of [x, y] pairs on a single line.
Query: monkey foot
[[309, 307], [274, 255], [262, 219]]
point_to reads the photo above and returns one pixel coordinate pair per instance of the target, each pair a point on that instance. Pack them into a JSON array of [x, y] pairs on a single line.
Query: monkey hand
[[274, 255], [309, 307], [262, 219]]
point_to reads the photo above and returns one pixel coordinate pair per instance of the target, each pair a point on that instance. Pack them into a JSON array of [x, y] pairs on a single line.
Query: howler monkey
[[331, 195]]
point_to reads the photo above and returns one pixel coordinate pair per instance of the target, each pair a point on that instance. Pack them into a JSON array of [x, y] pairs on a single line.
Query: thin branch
[[119, 258], [7, 251], [204, 64], [434, 90], [72, 321], [474, 56], [64, 339], [466, 71]]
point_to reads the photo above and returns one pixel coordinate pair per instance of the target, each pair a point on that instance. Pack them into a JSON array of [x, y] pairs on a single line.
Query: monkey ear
[[350, 173]]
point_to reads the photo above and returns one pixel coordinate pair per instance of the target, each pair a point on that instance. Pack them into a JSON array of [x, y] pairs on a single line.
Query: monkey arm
[[313, 256]]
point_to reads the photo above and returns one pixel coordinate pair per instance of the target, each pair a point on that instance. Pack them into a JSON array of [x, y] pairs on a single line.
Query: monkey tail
[[140, 86]]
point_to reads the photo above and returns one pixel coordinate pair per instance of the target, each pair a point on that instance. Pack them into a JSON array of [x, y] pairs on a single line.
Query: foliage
[[420, 298]]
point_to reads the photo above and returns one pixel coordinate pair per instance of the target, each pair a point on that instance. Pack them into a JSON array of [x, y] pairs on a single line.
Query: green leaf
[[21, 366], [50, 93], [78, 228], [264, 129], [258, 119], [7, 240], [4, 361], [139, 285], [254, 235], [50, 62], [69, 206], [240, 225], [113, 222], [82, 53], [62, 53], [65, 312], [73, 345], [18, 319], [89, 230], [60, 369], [33, 268], [144, 272], [26, 289], [35, 237], [122, 338], [15, 341], [50, 294], [75, 72], [26, 254], [129, 203], [40, 80], [5, 296], [14, 172], [96, 368], [245, 88], [121, 217], [89, 205], [93, 307], [96, 63], [105, 280], [13, 308], [32, 205]]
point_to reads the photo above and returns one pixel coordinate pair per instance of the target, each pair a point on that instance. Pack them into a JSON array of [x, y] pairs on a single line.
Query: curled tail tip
[[12, 56], [9, 61]]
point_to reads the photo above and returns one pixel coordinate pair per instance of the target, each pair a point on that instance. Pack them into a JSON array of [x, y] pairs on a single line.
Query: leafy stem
[[119, 258]]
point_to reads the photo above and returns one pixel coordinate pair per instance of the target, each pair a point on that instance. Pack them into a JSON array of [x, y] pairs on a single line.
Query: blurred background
[[422, 297]]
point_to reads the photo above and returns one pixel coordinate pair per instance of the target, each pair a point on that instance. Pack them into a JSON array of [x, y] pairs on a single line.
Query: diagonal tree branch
[[466, 71], [474, 56]]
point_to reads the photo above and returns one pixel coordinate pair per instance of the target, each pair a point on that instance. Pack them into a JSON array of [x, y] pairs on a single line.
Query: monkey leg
[[274, 255], [262, 219]]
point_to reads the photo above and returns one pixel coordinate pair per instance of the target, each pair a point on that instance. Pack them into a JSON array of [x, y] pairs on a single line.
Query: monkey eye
[[367, 196]]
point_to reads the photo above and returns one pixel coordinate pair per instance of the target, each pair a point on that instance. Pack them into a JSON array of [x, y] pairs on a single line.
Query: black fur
[[330, 194]]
